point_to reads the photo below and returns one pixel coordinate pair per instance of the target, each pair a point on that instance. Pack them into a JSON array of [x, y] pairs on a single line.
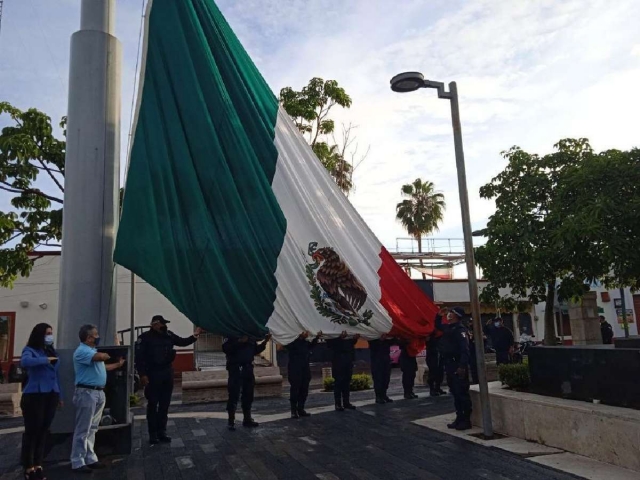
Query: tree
[[29, 152], [421, 211], [309, 108], [599, 203], [524, 250]]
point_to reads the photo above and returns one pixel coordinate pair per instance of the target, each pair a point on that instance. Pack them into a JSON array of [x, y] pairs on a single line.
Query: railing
[[207, 352]]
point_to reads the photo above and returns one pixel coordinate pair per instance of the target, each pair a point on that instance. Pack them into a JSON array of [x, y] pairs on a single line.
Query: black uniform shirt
[[241, 353], [300, 349], [501, 337], [454, 344], [342, 346], [154, 350]]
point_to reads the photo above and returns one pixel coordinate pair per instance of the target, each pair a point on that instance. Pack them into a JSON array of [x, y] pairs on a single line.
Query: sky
[[529, 73]]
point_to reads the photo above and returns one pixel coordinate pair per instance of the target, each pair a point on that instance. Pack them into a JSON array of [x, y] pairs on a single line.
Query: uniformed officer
[[433, 358], [154, 358], [454, 347], [409, 367], [380, 351], [240, 352], [343, 349], [299, 372]]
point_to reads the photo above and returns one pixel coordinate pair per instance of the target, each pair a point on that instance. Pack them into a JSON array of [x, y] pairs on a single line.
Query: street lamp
[[410, 82]]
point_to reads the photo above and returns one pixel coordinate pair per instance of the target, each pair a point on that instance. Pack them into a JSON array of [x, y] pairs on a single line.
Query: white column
[[92, 177]]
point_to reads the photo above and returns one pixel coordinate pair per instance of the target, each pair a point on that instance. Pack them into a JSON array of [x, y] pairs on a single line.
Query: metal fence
[[207, 352]]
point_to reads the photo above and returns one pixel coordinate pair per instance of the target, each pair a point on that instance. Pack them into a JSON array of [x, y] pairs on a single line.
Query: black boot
[[294, 412], [464, 424], [302, 412], [231, 424], [380, 400], [339, 407], [455, 423], [433, 391], [248, 421], [440, 390], [388, 399]]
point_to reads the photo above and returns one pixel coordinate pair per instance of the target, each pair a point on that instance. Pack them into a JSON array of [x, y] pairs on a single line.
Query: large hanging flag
[[227, 211]]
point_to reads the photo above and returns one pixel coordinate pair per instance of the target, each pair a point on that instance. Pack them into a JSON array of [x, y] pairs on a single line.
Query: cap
[[459, 311], [159, 318]]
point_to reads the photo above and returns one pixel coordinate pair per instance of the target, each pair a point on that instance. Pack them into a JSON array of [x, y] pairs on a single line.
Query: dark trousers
[[435, 365], [342, 370], [409, 367], [158, 395], [502, 357], [38, 410], [459, 388], [241, 379], [299, 378], [381, 372]]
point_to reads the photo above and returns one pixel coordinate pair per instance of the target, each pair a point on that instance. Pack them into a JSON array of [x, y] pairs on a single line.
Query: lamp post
[[410, 82]]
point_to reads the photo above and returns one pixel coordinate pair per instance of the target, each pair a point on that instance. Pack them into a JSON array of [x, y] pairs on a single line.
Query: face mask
[[48, 339], [97, 341], [164, 329], [496, 324]]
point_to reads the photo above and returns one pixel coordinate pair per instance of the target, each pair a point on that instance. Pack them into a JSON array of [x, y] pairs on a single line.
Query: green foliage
[[134, 400], [523, 250], [29, 152], [515, 375], [310, 108], [421, 211], [360, 381], [599, 202]]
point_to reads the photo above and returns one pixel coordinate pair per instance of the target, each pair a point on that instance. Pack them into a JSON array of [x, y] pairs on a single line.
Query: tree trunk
[[550, 337], [419, 238]]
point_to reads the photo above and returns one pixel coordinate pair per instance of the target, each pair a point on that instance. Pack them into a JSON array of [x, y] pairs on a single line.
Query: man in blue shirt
[[89, 399]]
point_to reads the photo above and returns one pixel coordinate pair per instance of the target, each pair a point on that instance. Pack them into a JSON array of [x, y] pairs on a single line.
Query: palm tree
[[421, 211]]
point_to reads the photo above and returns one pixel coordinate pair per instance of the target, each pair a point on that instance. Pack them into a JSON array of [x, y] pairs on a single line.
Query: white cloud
[[529, 73]]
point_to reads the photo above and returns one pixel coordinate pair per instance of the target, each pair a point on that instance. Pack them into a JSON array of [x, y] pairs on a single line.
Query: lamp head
[[407, 82]]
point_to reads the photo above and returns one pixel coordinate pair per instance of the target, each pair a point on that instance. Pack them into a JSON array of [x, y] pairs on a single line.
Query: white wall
[[42, 287]]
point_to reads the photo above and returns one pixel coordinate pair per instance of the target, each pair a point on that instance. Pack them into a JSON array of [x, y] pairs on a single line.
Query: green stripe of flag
[[200, 221]]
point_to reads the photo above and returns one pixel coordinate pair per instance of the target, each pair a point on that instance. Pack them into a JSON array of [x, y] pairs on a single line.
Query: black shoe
[[231, 426], [303, 413], [249, 422], [453, 424], [349, 406], [82, 469], [464, 424], [153, 441], [164, 439], [434, 393], [339, 408], [97, 466], [410, 396], [294, 413], [441, 391], [414, 395], [380, 400], [388, 400]]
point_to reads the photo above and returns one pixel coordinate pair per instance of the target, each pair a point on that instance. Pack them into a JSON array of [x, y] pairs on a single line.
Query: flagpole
[[132, 326]]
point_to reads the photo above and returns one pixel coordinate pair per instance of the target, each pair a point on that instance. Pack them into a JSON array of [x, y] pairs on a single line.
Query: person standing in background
[[299, 372], [380, 351], [501, 339], [90, 378], [40, 397], [343, 349], [433, 359], [606, 330]]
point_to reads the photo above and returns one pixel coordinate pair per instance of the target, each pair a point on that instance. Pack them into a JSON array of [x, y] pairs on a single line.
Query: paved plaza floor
[[373, 442]]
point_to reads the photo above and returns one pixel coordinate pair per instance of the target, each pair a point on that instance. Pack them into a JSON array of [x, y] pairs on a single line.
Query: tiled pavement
[[376, 441]]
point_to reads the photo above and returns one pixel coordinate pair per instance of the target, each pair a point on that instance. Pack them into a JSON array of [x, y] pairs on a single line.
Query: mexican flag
[[227, 211]]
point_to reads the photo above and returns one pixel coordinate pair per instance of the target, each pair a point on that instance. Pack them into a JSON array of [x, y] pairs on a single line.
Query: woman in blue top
[[40, 397]]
